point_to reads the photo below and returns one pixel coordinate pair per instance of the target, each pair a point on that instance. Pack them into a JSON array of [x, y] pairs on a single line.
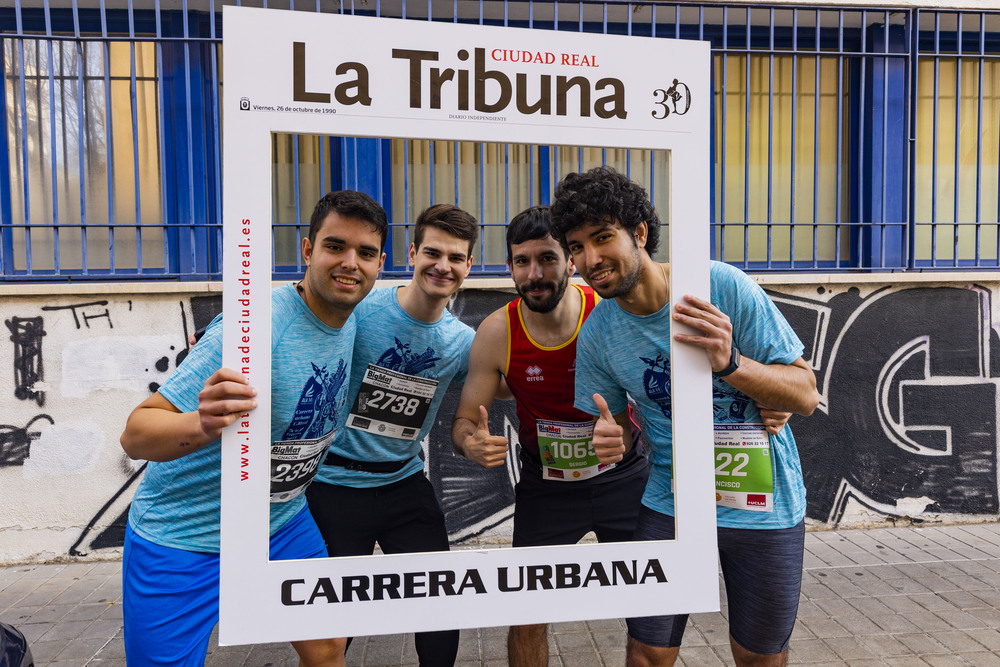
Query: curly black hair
[[603, 195], [349, 204]]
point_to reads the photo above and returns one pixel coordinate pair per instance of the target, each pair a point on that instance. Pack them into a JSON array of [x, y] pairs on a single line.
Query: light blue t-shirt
[[178, 502], [393, 340], [619, 352]]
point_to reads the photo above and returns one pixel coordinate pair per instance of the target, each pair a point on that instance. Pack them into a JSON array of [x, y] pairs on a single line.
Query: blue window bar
[[844, 138]]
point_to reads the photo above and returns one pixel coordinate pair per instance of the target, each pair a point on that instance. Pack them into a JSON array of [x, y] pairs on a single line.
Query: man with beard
[[611, 231], [371, 486], [564, 492]]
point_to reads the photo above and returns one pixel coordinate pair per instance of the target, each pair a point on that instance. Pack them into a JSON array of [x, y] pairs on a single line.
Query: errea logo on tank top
[[534, 374]]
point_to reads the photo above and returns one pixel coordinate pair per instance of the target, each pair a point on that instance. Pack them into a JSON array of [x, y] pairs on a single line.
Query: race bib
[[391, 403], [743, 472], [294, 464], [567, 451]]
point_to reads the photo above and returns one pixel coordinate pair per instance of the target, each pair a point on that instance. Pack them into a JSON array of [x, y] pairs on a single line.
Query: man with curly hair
[[611, 231]]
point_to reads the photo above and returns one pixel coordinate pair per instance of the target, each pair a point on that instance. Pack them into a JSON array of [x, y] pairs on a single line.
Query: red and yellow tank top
[[541, 378]]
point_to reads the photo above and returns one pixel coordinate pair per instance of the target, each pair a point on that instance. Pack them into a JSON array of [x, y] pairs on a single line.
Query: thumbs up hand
[[487, 450], [608, 442]]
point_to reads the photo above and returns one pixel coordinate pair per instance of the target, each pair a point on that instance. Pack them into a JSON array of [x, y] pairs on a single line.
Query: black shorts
[[403, 517], [763, 574], [548, 513]]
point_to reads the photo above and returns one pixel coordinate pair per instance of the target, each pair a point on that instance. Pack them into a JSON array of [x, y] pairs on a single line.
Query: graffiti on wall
[[907, 426], [909, 380], [94, 537], [95, 356], [26, 333]]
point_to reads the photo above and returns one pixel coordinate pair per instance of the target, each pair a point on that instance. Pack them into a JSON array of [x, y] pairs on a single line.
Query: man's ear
[[307, 249], [411, 255], [641, 233], [570, 267]]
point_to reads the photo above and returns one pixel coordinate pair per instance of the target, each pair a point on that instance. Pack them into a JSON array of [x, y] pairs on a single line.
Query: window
[[844, 139]]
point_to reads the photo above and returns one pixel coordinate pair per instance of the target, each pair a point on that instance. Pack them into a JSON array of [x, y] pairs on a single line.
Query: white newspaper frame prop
[[635, 103]]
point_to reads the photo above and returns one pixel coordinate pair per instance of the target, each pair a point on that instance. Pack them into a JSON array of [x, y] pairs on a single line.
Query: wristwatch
[[734, 363]]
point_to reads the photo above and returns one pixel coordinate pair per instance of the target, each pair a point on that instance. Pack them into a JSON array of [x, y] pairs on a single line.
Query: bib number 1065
[[738, 461], [573, 450]]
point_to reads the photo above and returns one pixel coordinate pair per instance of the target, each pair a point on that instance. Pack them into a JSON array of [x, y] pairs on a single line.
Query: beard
[[547, 304], [630, 274]]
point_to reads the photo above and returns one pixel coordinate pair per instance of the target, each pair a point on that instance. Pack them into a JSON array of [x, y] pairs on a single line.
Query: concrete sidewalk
[[889, 596]]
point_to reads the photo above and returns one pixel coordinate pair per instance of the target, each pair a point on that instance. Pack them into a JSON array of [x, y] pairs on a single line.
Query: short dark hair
[[528, 225], [450, 219], [349, 204], [602, 195]]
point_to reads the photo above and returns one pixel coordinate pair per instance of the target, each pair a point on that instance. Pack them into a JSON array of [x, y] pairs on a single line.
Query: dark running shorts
[[549, 513], [763, 574]]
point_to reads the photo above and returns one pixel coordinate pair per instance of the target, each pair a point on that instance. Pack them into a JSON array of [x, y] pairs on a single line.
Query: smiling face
[[440, 264], [541, 273], [343, 263], [607, 256]]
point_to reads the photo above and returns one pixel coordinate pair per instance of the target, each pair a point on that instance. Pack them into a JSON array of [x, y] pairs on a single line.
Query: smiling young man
[[611, 231], [371, 486], [170, 569], [563, 492]]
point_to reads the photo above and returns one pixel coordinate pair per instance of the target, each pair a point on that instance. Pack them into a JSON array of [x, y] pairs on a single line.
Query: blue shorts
[[763, 574], [171, 596]]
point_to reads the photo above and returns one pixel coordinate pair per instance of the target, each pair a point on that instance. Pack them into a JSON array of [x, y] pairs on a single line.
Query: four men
[[381, 387]]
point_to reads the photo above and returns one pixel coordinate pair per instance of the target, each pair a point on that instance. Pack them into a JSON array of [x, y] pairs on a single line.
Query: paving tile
[[66, 630], [962, 599], [84, 612], [49, 614], [811, 650], [699, 656], [944, 660], [823, 628], [894, 623], [81, 649], [849, 649], [869, 606], [885, 645], [46, 652], [113, 650], [982, 659], [988, 637], [613, 640], [990, 617], [33, 631], [922, 644], [101, 629], [963, 620], [932, 601], [936, 584], [574, 642], [836, 607], [958, 641], [902, 604], [909, 661], [799, 632]]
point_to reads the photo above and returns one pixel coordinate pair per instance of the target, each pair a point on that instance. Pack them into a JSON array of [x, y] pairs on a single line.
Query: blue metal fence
[[844, 138]]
